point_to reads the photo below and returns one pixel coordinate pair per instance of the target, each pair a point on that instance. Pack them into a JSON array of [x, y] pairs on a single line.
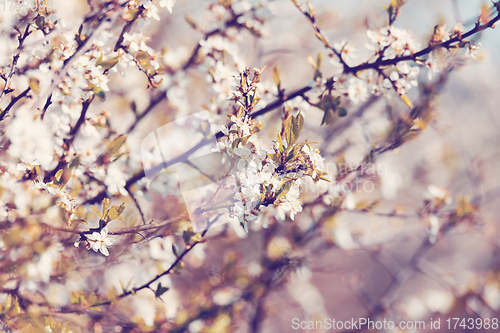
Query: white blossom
[[357, 90], [101, 241]]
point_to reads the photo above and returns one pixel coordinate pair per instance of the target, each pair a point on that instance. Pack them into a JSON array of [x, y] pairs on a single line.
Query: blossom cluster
[[266, 174], [395, 66]]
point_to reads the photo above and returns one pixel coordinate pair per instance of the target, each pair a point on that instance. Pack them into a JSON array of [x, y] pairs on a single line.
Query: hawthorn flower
[[473, 50], [292, 206], [136, 42], [441, 34], [214, 43], [291, 203], [357, 90], [243, 125], [115, 179], [458, 29], [243, 211], [101, 241], [221, 145], [380, 38], [404, 43], [434, 230], [99, 79], [315, 156], [175, 57], [30, 138], [405, 77], [169, 4], [433, 66], [151, 10], [346, 49], [437, 194]]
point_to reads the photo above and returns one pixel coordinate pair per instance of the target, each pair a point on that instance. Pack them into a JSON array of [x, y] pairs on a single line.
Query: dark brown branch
[[13, 101], [282, 99], [120, 231], [21, 38], [139, 209], [412, 57], [380, 62], [67, 142]]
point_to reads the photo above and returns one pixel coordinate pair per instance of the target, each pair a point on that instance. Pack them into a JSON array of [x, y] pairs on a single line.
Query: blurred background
[[421, 244]]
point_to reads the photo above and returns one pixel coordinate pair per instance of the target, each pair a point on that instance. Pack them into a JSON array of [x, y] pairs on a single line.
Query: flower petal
[[104, 251], [95, 236]]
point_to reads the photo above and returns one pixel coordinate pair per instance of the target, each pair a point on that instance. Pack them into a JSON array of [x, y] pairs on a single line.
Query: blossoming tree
[[206, 242]]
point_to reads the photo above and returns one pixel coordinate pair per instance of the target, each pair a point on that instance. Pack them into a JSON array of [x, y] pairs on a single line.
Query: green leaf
[[98, 92], [293, 127], [178, 268], [174, 250], [298, 125], [322, 39], [243, 80], [75, 222], [280, 140], [60, 179], [105, 206], [262, 197], [187, 234], [96, 211], [75, 162], [132, 14], [284, 189], [58, 175], [325, 179], [288, 131], [160, 290], [115, 145], [34, 84], [290, 155], [106, 64], [258, 127], [115, 212], [274, 157], [327, 117], [311, 60], [244, 225], [319, 58], [329, 105], [40, 22], [54, 186], [191, 22], [407, 101], [144, 59], [328, 102], [276, 75], [256, 99], [243, 141]]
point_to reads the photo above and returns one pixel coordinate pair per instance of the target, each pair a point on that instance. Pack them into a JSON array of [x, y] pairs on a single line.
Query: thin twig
[[22, 37], [13, 101]]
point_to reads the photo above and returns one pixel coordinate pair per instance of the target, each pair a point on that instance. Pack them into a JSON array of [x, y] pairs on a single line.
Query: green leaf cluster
[[330, 106], [109, 214]]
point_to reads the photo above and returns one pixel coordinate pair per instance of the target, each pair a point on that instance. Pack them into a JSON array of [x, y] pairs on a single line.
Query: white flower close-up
[[100, 241]]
